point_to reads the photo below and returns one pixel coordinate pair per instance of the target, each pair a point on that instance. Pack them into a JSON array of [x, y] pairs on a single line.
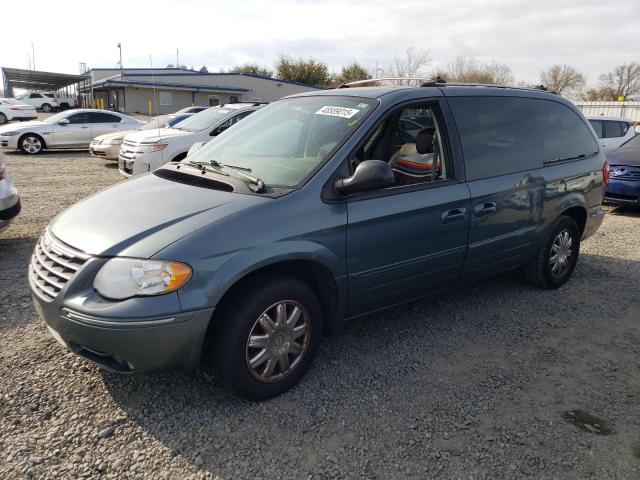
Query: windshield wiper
[[259, 184]]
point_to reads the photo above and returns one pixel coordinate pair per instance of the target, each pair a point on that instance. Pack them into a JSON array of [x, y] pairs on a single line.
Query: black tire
[[46, 107], [3, 118], [64, 106], [540, 270], [237, 320], [28, 143]]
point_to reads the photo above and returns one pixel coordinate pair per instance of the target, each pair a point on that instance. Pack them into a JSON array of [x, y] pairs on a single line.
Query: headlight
[[9, 134], [155, 147], [122, 278], [111, 142]]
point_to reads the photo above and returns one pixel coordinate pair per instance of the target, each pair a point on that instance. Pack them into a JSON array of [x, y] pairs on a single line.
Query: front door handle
[[84, 127], [485, 208], [454, 215]]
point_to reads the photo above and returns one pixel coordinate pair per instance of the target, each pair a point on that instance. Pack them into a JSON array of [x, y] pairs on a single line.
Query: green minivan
[[318, 208]]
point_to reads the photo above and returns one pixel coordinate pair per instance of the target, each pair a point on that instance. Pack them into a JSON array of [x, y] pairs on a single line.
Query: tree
[[252, 68], [563, 79], [411, 65], [304, 71], [624, 81], [466, 69], [351, 73], [204, 69], [171, 65], [600, 94]]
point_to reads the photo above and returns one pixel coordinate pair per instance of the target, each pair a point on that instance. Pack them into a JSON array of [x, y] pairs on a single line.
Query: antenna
[[155, 99]]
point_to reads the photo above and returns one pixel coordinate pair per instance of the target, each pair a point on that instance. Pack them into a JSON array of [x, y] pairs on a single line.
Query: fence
[[629, 110]]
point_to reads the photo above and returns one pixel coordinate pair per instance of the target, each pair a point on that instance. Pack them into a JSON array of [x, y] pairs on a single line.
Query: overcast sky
[[593, 36]]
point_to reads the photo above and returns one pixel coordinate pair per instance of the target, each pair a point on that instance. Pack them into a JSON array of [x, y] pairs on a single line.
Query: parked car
[[41, 101], [266, 239], [9, 198], [624, 174], [612, 131], [143, 152], [193, 109], [108, 145], [69, 129], [11, 109]]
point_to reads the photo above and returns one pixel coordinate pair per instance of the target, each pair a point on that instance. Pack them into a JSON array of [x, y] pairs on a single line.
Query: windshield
[[633, 143], [156, 122], [205, 119], [57, 117], [284, 142]]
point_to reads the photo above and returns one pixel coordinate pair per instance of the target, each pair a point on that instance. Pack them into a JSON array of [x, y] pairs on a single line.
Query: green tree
[[351, 73], [253, 68], [303, 71]]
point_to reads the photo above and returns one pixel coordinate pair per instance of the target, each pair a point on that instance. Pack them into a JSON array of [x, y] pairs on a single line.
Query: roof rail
[[375, 80], [441, 82]]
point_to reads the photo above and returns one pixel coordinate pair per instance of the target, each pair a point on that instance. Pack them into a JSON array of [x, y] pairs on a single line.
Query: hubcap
[[31, 144], [561, 252], [277, 341]]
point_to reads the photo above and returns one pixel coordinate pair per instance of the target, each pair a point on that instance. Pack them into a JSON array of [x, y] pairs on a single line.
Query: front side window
[[503, 135], [35, 95], [411, 140], [286, 141]]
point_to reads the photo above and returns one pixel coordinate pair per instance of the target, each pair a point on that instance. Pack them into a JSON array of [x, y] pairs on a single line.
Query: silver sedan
[[69, 129]]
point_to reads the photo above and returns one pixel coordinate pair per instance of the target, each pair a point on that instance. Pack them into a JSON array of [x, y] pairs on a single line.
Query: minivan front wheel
[[269, 332], [556, 259]]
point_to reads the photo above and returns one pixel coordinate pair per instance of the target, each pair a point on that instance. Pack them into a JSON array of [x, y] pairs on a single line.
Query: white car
[[70, 129], [146, 150], [12, 109], [612, 131], [46, 102], [9, 199], [107, 146]]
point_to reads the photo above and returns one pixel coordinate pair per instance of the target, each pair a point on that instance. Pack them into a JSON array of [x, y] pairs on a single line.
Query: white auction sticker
[[337, 111]]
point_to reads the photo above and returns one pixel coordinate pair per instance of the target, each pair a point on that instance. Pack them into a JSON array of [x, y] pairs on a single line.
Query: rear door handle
[[485, 208], [454, 215]]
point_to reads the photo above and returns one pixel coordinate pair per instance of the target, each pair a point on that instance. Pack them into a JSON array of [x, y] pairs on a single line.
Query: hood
[[154, 135], [22, 125], [624, 156], [113, 136], [141, 216]]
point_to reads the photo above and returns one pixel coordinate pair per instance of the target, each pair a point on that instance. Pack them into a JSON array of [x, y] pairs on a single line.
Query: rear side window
[[614, 129], [99, 117], [502, 135]]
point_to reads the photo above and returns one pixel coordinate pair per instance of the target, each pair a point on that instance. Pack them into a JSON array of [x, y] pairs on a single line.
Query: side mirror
[[64, 121], [195, 147], [369, 175]]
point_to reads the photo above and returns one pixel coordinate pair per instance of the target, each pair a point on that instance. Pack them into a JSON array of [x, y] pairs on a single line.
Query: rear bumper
[[595, 216]]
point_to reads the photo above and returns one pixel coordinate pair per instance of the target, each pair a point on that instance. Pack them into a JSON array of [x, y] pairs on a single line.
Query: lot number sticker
[[338, 111]]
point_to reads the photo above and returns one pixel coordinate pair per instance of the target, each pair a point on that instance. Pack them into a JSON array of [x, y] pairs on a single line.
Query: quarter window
[[597, 126], [502, 135], [613, 129]]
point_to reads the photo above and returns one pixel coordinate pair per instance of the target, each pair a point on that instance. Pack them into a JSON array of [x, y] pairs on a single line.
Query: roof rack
[[441, 82], [375, 80]]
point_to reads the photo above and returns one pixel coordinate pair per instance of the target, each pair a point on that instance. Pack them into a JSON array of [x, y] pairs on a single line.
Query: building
[[166, 90]]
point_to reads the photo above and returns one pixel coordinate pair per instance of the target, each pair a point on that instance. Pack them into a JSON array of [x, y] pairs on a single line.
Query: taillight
[[605, 173]]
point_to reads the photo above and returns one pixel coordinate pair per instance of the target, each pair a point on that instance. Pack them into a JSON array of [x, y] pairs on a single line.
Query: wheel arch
[[579, 214]]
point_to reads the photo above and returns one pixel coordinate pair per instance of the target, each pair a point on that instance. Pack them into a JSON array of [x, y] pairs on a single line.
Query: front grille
[[624, 173], [4, 143], [52, 265]]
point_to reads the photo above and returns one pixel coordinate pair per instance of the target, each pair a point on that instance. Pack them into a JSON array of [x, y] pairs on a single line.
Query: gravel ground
[[472, 384]]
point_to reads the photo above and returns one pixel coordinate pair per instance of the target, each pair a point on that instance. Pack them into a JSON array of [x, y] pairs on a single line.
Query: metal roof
[[170, 85], [37, 80]]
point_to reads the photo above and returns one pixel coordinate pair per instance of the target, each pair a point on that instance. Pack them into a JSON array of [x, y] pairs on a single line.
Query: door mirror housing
[[369, 175], [64, 121]]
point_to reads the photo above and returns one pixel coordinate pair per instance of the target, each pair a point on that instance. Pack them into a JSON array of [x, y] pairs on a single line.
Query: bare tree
[[465, 69], [563, 79], [412, 64], [624, 81]]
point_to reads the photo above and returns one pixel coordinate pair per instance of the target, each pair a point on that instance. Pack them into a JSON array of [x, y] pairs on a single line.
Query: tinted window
[[78, 118], [35, 95], [597, 126], [99, 117], [613, 129], [502, 135]]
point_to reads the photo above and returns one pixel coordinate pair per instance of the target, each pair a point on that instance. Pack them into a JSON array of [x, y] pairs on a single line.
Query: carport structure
[[37, 80]]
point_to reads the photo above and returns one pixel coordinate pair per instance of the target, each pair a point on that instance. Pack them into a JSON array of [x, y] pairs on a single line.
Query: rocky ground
[[499, 380]]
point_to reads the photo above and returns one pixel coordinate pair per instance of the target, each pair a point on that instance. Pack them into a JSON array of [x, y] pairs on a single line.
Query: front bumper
[[623, 192], [9, 142], [132, 161], [138, 335], [110, 152]]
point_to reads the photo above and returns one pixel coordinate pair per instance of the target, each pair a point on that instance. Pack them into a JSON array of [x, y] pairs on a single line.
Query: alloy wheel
[[3, 118], [561, 252], [46, 108], [32, 144], [278, 340]]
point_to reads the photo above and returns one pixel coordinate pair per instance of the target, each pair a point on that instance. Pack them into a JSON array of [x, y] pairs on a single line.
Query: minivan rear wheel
[[556, 259], [265, 336]]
